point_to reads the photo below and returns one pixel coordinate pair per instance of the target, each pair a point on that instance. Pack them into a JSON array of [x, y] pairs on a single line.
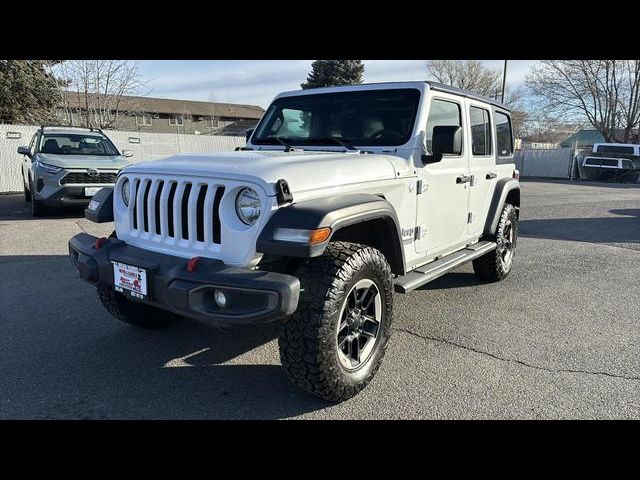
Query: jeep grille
[[176, 209]]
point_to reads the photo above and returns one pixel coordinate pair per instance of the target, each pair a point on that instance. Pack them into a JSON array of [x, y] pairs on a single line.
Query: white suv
[[341, 197]]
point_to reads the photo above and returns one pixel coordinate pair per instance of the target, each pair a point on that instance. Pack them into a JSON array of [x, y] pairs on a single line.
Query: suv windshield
[[366, 117], [76, 144]]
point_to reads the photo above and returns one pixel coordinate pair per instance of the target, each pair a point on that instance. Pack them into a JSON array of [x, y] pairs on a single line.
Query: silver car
[[65, 166]]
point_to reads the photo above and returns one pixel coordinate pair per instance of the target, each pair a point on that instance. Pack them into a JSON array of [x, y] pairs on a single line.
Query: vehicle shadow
[[455, 279], [622, 228], [68, 358], [13, 207]]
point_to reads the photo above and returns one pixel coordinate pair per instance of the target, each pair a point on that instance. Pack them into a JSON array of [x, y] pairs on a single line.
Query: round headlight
[[248, 206], [126, 191]]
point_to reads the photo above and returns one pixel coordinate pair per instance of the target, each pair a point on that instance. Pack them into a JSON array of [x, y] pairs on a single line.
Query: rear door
[[442, 205], [482, 165]]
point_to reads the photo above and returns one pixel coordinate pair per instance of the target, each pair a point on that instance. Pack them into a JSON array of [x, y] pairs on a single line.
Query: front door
[[442, 205]]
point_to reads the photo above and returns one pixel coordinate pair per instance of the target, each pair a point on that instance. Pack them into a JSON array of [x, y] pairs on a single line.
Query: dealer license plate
[[91, 191], [130, 279]]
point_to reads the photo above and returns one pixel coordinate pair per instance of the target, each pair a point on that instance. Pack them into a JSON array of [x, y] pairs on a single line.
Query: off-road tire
[[308, 339], [491, 266], [134, 313]]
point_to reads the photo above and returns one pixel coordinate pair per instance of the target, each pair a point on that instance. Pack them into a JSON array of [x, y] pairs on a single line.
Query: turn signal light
[[516, 174], [319, 235]]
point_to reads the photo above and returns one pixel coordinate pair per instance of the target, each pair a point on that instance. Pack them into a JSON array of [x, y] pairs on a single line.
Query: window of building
[[176, 120], [504, 137], [144, 120], [442, 113], [480, 131]]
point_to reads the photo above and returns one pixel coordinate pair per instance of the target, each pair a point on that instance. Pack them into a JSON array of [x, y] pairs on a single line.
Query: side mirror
[[248, 133], [24, 151], [127, 153], [447, 140]]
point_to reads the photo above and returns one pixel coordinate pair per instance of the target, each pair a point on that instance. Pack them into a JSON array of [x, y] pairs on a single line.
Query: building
[[158, 115], [584, 139]]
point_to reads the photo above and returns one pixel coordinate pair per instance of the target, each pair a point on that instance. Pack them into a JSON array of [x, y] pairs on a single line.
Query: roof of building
[[583, 138], [175, 106]]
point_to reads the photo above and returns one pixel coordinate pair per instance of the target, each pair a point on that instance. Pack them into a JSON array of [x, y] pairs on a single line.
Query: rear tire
[[134, 313], [496, 265], [334, 343]]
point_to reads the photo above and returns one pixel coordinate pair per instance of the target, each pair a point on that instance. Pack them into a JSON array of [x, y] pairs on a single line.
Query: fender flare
[[503, 187], [334, 212]]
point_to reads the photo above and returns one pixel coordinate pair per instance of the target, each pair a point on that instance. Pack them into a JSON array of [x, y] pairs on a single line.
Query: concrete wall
[[145, 146], [549, 163]]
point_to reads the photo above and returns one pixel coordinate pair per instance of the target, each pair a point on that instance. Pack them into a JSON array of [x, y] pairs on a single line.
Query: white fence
[[144, 146], [549, 163]]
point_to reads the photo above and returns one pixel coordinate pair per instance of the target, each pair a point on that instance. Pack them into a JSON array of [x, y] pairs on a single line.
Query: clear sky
[[256, 82]]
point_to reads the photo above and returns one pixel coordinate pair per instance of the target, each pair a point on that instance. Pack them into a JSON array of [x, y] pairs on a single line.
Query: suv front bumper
[[255, 296]]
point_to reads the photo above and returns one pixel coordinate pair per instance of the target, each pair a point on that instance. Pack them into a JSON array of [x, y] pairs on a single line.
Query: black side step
[[437, 268]]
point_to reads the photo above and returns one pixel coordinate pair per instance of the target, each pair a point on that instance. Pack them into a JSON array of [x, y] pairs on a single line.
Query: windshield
[[76, 144], [366, 117]]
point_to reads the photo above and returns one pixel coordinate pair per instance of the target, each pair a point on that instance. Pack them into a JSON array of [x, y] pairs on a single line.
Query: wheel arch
[[359, 218], [507, 191]]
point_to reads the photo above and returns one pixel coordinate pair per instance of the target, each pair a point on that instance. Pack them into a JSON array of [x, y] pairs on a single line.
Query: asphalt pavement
[[559, 338]]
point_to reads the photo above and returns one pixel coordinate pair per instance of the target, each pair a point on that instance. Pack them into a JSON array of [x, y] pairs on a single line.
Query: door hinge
[[473, 181], [470, 217], [418, 233], [420, 187]]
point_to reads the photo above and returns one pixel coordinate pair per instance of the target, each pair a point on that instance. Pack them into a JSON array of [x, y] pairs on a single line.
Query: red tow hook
[[100, 242], [192, 264]]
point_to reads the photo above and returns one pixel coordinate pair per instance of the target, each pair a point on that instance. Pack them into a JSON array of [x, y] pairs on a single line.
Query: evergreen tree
[[29, 92], [329, 73]]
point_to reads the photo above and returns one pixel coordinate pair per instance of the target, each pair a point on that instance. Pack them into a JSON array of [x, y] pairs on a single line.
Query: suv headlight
[[48, 168], [125, 189], [248, 205]]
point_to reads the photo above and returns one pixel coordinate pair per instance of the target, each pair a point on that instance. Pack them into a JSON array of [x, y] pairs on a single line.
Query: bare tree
[[475, 77], [469, 75], [606, 92], [100, 88]]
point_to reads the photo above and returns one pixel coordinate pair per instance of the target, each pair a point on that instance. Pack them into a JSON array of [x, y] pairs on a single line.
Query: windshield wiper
[[281, 140], [338, 141]]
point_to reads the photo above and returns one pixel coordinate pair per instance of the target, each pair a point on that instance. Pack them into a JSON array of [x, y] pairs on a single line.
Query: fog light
[[220, 298]]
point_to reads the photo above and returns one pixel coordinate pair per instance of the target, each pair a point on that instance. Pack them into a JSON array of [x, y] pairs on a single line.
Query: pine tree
[[329, 73], [29, 93]]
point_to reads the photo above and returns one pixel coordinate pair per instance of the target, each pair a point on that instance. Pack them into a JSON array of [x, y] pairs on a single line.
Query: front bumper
[[62, 196], [255, 296]]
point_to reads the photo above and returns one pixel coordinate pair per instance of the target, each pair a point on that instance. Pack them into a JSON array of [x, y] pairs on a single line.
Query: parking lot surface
[[559, 338]]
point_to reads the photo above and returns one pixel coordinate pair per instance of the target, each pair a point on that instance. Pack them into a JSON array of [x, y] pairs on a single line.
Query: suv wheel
[[496, 265], [134, 313], [38, 207], [334, 343], [27, 193]]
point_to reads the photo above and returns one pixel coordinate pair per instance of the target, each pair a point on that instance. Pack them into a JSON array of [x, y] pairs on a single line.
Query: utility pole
[[504, 80]]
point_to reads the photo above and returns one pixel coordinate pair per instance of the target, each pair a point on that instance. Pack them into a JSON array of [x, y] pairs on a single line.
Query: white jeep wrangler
[[341, 197]]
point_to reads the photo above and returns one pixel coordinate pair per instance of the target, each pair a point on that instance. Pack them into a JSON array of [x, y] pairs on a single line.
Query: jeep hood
[[303, 171], [114, 162]]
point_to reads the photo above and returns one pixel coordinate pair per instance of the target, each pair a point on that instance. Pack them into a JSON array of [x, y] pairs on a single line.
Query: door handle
[[463, 179], [492, 175]]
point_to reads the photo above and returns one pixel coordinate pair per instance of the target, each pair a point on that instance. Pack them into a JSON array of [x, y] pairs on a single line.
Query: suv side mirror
[[446, 140], [24, 151], [248, 133], [127, 153]]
